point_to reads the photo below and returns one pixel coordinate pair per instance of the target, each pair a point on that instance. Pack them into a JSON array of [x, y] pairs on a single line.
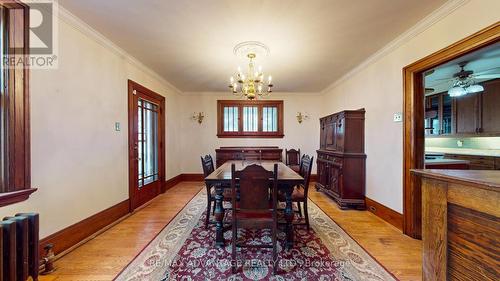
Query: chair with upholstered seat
[[254, 207]]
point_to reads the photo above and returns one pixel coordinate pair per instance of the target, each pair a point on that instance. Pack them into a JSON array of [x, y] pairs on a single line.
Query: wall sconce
[[198, 117], [302, 116]]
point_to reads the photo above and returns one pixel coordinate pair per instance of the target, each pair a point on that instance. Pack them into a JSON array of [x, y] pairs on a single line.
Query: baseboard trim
[[314, 178], [385, 213], [74, 234], [171, 183], [192, 177]]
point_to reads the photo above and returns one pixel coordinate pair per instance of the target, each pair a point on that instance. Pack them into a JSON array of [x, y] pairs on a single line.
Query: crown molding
[[228, 94], [78, 24], [431, 19]]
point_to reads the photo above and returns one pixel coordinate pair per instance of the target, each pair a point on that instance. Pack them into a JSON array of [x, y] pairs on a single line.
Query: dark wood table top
[[285, 174]]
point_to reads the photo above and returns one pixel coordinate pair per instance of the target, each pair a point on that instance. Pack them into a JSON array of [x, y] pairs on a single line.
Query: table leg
[[219, 216], [289, 217]]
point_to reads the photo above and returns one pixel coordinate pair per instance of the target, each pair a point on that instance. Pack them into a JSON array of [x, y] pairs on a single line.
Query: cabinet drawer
[[497, 163], [481, 167]]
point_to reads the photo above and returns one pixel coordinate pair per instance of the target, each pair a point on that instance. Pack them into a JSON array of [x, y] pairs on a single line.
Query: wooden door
[[146, 144], [331, 134], [466, 114], [490, 108]]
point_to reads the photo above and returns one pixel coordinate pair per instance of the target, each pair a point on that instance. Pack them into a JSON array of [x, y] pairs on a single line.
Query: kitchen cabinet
[[475, 114], [477, 162], [490, 108], [466, 114]]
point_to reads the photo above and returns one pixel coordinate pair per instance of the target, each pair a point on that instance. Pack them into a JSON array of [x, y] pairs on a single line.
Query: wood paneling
[[434, 230], [385, 213], [461, 224], [414, 115], [72, 235], [103, 257], [472, 240]]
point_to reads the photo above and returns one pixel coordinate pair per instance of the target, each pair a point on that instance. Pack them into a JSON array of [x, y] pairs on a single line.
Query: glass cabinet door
[[432, 125], [447, 114]]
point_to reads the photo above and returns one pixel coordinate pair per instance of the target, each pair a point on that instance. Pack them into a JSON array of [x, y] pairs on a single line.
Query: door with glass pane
[[146, 150]]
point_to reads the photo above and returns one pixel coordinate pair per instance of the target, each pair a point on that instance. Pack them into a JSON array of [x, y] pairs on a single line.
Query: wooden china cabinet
[[341, 158]]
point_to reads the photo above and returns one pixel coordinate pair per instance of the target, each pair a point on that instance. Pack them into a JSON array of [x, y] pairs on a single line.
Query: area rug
[[185, 250]]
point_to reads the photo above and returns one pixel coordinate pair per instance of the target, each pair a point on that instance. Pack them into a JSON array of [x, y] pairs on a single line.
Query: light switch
[[398, 117], [118, 126]]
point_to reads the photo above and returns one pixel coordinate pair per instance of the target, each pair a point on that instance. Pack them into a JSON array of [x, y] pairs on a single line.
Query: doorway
[[414, 112], [146, 144]]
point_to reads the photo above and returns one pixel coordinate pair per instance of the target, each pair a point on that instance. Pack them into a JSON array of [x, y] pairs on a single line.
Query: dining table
[[221, 180]]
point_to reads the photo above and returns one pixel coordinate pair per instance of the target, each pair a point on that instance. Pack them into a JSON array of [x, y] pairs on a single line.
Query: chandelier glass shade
[[251, 85], [463, 87]]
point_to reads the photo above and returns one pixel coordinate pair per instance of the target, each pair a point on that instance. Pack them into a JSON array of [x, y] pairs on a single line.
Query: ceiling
[[483, 61], [190, 43]]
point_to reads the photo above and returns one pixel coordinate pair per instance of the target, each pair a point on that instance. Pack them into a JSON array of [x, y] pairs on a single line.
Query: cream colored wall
[[202, 139], [79, 162], [379, 89]]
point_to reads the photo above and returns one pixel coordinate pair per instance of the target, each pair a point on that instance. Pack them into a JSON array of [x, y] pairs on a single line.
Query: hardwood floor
[[103, 257], [398, 253]]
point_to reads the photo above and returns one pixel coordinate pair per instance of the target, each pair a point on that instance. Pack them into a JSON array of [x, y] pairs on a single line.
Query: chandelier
[[251, 85]]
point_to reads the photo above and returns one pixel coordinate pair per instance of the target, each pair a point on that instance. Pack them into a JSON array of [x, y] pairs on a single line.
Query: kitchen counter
[[447, 164], [445, 161], [464, 151]]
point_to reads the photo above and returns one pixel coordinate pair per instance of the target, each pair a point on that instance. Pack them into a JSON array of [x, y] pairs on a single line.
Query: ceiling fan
[[465, 81]]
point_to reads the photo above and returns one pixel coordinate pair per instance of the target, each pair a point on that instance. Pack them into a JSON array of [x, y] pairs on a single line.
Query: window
[[14, 105], [250, 119], [147, 142]]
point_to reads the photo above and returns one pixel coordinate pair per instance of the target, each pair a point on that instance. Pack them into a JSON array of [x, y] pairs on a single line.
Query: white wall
[[202, 139], [79, 162], [378, 87]]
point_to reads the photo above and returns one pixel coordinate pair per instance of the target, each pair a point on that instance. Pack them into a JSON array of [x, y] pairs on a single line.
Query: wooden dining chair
[[292, 158], [207, 163], [256, 207], [300, 193]]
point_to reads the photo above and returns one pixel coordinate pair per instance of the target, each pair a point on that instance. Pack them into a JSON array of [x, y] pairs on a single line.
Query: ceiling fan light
[[474, 89], [457, 92]]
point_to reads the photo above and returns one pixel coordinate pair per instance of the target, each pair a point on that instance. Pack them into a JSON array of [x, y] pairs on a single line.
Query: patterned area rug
[[184, 250]]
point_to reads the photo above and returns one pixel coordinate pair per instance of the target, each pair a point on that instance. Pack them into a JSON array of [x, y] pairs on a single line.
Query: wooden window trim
[[18, 124], [240, 104]]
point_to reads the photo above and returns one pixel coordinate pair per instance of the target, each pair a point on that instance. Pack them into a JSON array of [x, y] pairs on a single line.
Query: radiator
[[19, 243]]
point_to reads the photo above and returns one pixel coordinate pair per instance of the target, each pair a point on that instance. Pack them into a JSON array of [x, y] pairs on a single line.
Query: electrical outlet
[[118, 126], [398, 117]]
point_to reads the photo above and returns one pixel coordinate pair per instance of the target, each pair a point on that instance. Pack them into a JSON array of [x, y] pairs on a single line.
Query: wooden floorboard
[[103, 257]]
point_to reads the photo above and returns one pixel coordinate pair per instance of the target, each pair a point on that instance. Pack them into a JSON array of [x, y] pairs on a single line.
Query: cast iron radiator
[[19, 243]]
